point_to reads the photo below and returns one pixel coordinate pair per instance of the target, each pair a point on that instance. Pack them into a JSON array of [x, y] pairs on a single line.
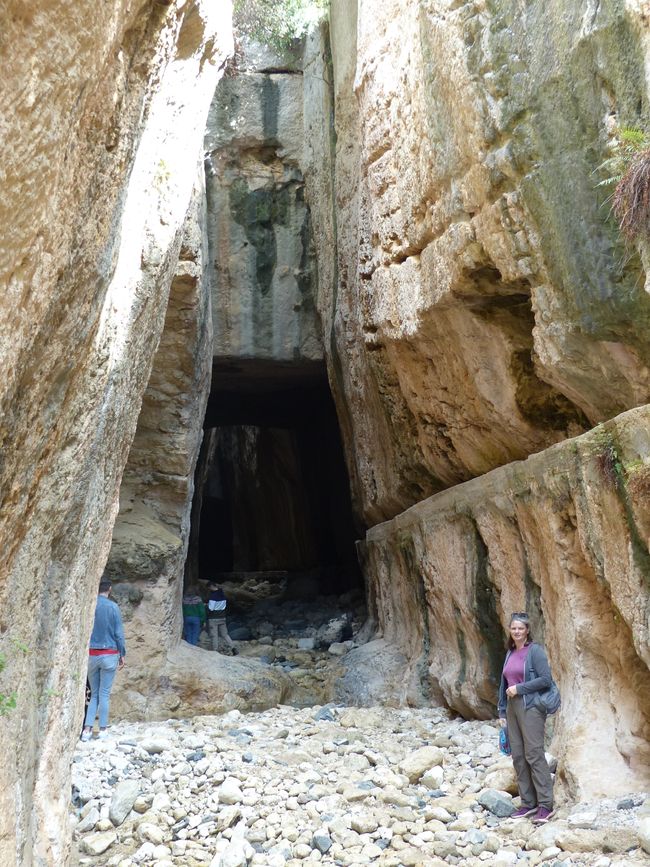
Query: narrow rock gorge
[[347, 319]]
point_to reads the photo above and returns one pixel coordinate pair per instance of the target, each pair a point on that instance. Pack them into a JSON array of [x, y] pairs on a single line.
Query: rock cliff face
[[259, 225], [99, 103], [241, 323], [484, 303], [563, 535], [482, 326], [151, 533], [479, 307]]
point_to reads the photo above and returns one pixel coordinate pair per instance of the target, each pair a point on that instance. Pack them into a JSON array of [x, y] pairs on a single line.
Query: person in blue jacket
[[105, 656], [526, 673]]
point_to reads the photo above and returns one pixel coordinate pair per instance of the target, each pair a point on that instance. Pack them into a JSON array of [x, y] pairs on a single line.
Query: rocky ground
[[306, 641], [331, 784]]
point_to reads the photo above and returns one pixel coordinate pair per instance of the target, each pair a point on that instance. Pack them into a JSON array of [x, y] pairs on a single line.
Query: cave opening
[[272, 518]]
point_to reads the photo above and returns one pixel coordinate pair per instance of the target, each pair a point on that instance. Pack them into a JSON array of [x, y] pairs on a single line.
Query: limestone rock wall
[[563, 535], [163, 677], [259, 225], [478, 307], [151, 530], [99, 101], [481, 298]]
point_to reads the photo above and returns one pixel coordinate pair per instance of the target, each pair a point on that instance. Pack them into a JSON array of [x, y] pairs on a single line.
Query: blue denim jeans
[[192, 629], [101, 674]]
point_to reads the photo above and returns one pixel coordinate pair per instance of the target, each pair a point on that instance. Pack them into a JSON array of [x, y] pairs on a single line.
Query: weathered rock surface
[[258, 222], [477, 303], [91, 220], [312, 788], [151, 533], [468, 325], [644, 833], [122, 801], [564, 535], [477, 308]]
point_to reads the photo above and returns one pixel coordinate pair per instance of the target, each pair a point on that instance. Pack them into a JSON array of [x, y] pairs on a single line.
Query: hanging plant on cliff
[[276, 22], [629, 169]]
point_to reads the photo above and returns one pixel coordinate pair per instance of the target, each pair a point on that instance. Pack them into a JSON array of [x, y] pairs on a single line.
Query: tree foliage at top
[[276, 23]]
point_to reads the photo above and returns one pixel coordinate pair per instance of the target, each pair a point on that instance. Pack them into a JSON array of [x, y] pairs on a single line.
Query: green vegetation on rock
[[628, 170], [277, 23], [630, 164], [628, 143]]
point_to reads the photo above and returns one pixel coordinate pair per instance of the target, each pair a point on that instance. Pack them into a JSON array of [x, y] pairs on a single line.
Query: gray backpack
[[550, 700]]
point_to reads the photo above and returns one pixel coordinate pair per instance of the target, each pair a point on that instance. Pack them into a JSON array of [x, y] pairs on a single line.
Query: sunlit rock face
[[478, 307], [101, 101], [563, 535], [243, 290], [164, 677], [483, 301]]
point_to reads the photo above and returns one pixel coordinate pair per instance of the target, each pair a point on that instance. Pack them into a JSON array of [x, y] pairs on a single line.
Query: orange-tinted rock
[[563, 536], [91, 222]]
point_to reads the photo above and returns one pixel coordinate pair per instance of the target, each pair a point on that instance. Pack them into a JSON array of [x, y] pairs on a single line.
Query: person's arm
[[119, 633], [502, 701], [540, 666]]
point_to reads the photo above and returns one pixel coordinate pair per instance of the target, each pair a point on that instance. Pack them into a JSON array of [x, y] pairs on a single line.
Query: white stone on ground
[[348, 786]]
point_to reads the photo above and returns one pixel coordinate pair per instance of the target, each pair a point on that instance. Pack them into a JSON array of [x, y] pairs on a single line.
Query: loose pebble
[[335, 785]]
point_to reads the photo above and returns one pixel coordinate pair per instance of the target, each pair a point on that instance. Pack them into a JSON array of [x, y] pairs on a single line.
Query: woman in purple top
[[525, 673]]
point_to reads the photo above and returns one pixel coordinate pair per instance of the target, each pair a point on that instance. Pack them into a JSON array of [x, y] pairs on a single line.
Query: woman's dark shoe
[[523, 811], [542, 816]]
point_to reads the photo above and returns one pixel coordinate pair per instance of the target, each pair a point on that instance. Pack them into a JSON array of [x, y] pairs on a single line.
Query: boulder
[[643, 831], [148, 832], [503, 778], [97, 844], [335, 631], [433, 777], [420, 761], [322, 841], [498, 803], [230, 791], [122, 800], [545, 836]]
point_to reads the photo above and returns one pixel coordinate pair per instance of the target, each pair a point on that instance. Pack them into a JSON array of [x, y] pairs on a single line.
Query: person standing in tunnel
[[193, 616], [217, 626], [105, 657]]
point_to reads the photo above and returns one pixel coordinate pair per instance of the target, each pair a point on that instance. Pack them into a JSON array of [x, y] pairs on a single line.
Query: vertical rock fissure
[[485, 610]]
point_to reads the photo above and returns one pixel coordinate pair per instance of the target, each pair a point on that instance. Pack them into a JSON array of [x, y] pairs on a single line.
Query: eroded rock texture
[[478, 306], [98, 101], [563, 535], [258, 222], [243, 292], [165, 678], [484, 307]]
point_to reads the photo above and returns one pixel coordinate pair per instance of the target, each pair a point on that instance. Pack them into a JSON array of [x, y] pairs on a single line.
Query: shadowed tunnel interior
[[272, 492]]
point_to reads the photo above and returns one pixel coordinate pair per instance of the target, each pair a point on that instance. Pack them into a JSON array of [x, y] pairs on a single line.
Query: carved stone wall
[[483, 305], [165, 677], [563, 535], [99, 102], [478, 306], [259, 225]]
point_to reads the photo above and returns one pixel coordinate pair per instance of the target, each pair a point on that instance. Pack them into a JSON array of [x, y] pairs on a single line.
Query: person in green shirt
[[193, 616]]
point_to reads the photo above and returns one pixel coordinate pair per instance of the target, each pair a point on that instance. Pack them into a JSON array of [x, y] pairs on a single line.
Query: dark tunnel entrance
[[272, 512]]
